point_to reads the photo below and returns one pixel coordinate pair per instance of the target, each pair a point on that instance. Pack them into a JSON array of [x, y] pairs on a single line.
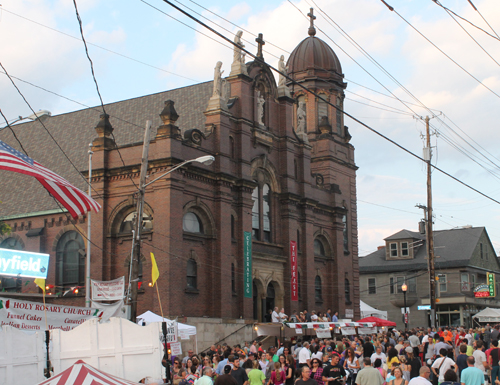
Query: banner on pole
[[108, 290], [26, 315], [247, 264], [17, 263], [293, 266]]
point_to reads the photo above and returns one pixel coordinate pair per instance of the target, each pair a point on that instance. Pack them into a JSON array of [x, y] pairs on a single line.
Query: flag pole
[[159, 301], [87, 280]]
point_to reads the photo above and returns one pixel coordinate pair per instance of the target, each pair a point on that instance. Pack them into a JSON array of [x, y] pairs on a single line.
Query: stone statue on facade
[[301, 130], [217, 79], [238, 67], [283, 90], [218, 101], [260, 109]]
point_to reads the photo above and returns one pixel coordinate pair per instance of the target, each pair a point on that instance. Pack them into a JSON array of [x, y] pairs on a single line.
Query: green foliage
[[4, 228]]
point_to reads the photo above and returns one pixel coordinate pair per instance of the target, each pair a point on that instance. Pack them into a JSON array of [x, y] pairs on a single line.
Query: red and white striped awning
[[83, 374]]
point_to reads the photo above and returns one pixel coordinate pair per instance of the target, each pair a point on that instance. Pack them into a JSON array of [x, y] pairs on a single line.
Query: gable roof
[[21, 194], [405, 234], [452, 248]]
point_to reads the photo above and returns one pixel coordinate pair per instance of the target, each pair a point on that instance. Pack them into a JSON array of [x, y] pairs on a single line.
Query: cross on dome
[[312, 30], [260, 41]]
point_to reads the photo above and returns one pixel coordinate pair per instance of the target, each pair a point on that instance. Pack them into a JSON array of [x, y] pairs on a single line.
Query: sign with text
[[23, 263], [108, 290], [490, 279], [294, 272], [26, 315], [482, 291], [323, 333], [247, 264], [172, 332], [176, 348]]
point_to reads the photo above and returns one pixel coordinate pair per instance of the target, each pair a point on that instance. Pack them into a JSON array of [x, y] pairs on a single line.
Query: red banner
[[293, 264]]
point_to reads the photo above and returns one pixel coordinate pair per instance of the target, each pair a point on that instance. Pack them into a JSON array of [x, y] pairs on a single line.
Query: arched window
[[347, 288], [319, 248], [192, 274], [322, 108], [339, 116], [233, 279], [261, 213], [231, 147], [317, 288], [192, 223], [345, 234], [70, 260], [128, 225], [11, 284]]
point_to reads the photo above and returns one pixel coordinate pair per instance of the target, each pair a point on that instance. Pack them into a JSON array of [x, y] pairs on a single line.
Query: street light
[[404, 288], [41, 115]]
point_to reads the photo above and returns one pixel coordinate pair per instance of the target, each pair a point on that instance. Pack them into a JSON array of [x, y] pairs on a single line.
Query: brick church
[[284, 171]]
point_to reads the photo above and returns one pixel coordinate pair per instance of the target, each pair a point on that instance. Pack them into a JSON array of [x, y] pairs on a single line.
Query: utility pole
[[88, 289], [429, 234], [136, 243]]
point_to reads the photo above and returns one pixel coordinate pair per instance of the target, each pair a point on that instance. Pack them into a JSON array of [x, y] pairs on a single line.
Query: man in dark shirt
[[368, 348], [493, 360], [334, 373], [239, 374], [226, 378], [494, 333]]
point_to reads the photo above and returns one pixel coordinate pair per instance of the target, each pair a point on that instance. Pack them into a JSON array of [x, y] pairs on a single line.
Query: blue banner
[[23, 263], [247, 264]]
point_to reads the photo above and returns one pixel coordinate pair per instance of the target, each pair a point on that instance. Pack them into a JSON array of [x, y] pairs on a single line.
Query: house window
[[233, 279], [70, 260], [372, 286], [399, 283], [443, 287], [261, 213], [319, 248], [317, 288], [481, 250], [404, 249], [473, 281], [345, 234], [391, 285], [191, 223], [393, 249], [192, 274], [128, 223], [339, 116], [412, 285], [464, 277], [347, 289]]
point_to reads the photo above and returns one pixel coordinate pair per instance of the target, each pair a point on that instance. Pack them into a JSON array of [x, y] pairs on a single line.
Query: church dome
[[312, 53]]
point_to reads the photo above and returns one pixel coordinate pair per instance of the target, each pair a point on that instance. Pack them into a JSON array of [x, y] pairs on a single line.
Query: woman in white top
[[317, 353], [351, 363]]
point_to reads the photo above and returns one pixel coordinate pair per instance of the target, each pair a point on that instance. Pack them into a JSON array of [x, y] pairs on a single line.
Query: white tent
[[150, 317], [488, 315], [368, 311]]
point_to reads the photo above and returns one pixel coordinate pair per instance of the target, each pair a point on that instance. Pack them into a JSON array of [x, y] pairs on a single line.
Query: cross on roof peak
[[312, 30], [260, 41]]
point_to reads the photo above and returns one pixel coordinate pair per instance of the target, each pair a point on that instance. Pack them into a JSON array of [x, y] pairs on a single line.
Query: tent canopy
[[378, 321], [149, 317], [368, 311], [488, 315], [81, 373]]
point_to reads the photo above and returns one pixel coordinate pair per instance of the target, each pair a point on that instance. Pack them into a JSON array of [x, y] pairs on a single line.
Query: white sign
[[108, 290], [31, 315], [175, 348], [367, 330], [172, 332], [323, 333], [298, 331], [349, 313], [348, 331]]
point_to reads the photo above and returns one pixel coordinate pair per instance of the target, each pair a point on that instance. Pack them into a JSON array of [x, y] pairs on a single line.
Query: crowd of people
[[303, 316], [419, 357]]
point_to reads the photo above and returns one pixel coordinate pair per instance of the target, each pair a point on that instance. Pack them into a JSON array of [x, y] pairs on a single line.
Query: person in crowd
[[351, 365], [304, 355], [190, 354], [248, 365], [278, 375], [462, 359], [206, 379], [225, 378], [282, 316], [305, 376], [442, 364], [182, 374], [275, 317], [368, 348], [377, 364], [413, 362], [378, 354], [316, 354], [493, 359], [335, 317], [256, 376], [450, 378], [369, 375], [334, 374], [392, 358], [422, 378], [479, 356], [472, 375], [238, 373], [397, 379], [220, 366], [290, 370], [405, 368], [317, 370]]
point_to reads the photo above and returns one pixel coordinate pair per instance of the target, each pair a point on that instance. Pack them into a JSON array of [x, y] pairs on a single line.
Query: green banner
[[490, 277], [247, 264]]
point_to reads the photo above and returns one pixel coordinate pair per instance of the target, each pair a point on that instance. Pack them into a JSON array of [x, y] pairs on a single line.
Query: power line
[[258, 59], [482, 17]]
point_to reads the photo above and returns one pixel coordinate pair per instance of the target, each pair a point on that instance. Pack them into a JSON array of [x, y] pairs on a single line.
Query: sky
[[395, 78]]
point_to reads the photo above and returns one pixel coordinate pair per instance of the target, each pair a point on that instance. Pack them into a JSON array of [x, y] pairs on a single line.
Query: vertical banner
[[247, 264], [293, 265], [490, 277]]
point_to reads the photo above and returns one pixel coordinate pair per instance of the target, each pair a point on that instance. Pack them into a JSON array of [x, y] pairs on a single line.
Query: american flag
[[75, 200]]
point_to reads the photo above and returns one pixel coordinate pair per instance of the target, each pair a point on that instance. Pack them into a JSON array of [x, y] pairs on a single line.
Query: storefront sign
[[482, 291], [23, 264], [293, 266], [424, 307], [31, 315], [247, 264], [108, 290], [490, 279]]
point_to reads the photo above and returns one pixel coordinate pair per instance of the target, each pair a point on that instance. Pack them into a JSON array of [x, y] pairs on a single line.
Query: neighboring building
[[463, 257], [284, 171]]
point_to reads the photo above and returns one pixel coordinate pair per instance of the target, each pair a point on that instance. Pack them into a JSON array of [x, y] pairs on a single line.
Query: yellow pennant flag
[[41, 283], [155, 274]]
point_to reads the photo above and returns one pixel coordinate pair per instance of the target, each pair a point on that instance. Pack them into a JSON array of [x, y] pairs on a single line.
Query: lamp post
[[40, 115], [404, 288], [136, 244]]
